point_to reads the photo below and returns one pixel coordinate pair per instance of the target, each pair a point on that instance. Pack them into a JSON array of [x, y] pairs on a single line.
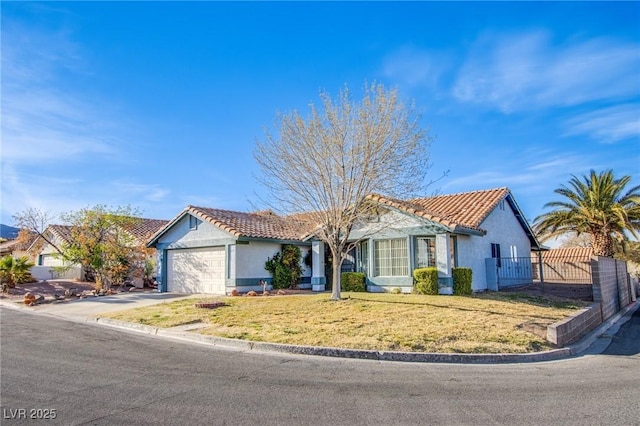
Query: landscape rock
[[234, 292], [252, 293]]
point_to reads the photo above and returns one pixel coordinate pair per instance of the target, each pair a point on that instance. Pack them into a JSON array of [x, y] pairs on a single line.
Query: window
[[495, 252], [453, 251], [193, 222], [391, 258], [362, 257], [514, 253], [425, 252]]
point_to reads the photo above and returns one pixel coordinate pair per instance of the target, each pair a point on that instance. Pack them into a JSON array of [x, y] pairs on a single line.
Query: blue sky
[[159, 104]]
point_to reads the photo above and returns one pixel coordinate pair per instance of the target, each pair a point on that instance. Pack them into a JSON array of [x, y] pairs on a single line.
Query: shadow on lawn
[[459, 308]]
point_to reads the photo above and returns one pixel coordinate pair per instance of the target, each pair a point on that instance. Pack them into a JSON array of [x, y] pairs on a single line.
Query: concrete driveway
[[91, 307]]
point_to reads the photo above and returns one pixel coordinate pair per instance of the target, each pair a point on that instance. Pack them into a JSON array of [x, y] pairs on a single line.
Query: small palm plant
[[14, 271], [597, 205]]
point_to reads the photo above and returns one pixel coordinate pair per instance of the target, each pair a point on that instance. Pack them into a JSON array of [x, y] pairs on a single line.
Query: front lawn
[[488, 323]]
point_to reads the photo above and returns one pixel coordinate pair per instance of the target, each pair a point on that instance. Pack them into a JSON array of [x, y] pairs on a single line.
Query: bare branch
[[327, 163]]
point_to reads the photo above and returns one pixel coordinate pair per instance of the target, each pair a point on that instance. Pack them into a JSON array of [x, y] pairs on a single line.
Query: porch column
[[443, 263], [161, 277], [318, 280]]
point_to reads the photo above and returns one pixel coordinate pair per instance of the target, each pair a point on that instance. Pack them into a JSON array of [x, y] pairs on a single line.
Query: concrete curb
[[338, 352], [244, 345]]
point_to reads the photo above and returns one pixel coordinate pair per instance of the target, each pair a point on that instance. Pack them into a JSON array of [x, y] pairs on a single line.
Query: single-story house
[[47, 258], [16, 247], [205, 250]]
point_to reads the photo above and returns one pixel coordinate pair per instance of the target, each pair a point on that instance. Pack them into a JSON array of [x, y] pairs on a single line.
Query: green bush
[[353, 281], [285, 267], [462, 278], [426, 280]]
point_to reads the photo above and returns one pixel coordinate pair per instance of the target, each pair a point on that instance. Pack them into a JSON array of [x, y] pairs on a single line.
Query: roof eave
[[535, 244]]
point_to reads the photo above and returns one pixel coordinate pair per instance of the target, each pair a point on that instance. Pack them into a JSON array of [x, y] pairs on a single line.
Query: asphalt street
[[87, 374]]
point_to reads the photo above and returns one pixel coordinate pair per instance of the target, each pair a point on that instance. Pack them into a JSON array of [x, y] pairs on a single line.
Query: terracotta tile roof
[[143, 229], [15, 244], [463, 210], [253, 225], [61, 231], [8, 247], [566, 254]]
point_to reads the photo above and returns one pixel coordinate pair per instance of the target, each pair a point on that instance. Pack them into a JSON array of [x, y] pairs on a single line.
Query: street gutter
[[574, 349]]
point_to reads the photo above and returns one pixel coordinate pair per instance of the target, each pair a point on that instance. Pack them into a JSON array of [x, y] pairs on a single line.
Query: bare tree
[[34, 221], [326, 164]]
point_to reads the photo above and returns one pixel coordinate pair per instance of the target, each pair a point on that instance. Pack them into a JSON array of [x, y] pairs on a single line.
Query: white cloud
[[527, 71], [43, 119], [416, 67], [147, 192], [608, 125], [60, 142]]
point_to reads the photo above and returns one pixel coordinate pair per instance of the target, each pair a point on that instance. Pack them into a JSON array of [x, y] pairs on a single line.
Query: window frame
[[396, 269], [362, 257], [431, 251], [193, 223]]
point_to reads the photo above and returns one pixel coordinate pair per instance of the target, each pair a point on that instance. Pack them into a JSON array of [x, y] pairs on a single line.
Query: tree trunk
[[602, 244], [337, 285]]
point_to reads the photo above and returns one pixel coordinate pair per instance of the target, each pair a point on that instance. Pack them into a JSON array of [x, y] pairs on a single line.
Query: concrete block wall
[[624, 285], [571, 329], [611, 293], [605, 285]]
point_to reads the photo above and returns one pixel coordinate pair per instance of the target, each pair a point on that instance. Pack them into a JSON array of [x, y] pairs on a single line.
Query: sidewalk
[[87, 310]]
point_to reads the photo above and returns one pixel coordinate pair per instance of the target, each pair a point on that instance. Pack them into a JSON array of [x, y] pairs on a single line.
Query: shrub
[[285, 267], [462, 278], [353, 281], [396, 290], [426, 280]]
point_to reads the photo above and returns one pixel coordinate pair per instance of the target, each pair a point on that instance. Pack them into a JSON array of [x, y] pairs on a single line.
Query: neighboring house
[[17, 248], [206, 250], [47, 258], [48, 263]]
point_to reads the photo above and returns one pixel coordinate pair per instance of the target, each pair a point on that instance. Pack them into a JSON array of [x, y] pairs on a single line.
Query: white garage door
[[196, 270], [50, 260]]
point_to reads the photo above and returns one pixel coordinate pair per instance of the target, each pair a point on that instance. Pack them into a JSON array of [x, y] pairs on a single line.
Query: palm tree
[[14, 271], [596, 205]]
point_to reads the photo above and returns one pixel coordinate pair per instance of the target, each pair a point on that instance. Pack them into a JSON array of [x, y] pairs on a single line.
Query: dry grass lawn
[[488, 323]]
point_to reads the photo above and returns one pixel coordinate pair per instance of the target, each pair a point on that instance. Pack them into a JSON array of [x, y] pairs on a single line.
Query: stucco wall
[[206, 235], [502, 228], [250, 258], [50, 251]]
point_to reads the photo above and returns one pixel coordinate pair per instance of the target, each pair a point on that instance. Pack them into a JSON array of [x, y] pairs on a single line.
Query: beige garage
[[199, 270]]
